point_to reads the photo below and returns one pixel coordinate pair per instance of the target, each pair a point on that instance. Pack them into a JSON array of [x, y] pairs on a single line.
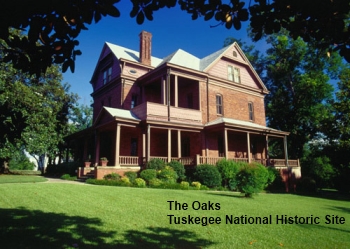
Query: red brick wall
[[235, 105]]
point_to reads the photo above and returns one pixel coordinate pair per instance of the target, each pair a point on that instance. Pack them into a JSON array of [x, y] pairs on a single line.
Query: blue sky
[[171, 29]]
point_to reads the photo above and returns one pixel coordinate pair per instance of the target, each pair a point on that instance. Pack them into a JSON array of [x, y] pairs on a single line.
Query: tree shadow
[[162, 237], [328, 194], [24, 228], [341, 209]]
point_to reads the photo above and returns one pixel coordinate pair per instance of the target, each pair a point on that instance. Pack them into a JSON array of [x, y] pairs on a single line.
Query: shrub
[[25, 172], [275, 182], [155, 183], [251, 179], [148, 174], [228, 170], [125, 180], [132, 175], [112, 176], [168, 174], [196, 185], [139, 182], [68, 177], [208, 175], [179, 169], [155, 163], [184, 185], [306, 185], [203, 187]]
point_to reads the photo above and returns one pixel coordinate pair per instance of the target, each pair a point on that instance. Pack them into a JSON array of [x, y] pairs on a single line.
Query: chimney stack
[[145, 47]]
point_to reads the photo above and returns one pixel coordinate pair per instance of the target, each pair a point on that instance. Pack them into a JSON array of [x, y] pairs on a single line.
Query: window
[[251, 111], [219, 104], [107, 75], [133, 101], [233, 74], [190, 100], [133, 151]]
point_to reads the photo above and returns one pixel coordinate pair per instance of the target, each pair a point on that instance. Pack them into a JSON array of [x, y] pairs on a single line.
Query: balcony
[[159, 112]]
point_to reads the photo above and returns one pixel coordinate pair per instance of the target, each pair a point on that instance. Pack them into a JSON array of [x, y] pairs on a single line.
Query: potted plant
[[87, 162], [103, 161]]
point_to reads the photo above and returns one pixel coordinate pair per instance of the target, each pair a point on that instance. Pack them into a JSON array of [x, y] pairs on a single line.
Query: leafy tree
[[81, 117], [298, 76], [33, 111], [53, 26]]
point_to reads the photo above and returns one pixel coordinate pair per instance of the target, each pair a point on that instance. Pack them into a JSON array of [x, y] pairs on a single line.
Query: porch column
[[148, 146], [117, 145], [285, 150], [176, 92], [169, 145], [225, 143], [163, 91], [267, 157], [179, 143], [248, 145], [97, 147]]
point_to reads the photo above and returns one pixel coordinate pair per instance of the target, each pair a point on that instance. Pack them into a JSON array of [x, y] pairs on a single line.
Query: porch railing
[[129, 160]]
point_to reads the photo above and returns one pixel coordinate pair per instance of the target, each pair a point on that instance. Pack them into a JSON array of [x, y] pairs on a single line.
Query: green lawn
[[53, 215], [21, 179]]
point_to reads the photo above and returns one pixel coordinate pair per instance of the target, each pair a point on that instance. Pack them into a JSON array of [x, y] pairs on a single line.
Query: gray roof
[[241, 123], [179, 57]]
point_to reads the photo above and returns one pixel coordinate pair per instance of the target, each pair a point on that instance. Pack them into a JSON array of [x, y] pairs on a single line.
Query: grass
[[21, 179], [88, 216]]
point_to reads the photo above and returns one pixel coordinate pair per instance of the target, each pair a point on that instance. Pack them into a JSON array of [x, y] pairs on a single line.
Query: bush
[[275, 182], [25, 172], [196, 185], [156, 164], [68, 177], [251, 179], [125, 180], [306, 185], [208, 175], [148, 174], [179, 169], [155, 183], [184, 185], [63, 168], [139, 182], [132, 175], [167, 175], [228, 170], [112, 177]]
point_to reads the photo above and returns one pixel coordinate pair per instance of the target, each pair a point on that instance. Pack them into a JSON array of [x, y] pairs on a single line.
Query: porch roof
[[121, 113], [234, 123]]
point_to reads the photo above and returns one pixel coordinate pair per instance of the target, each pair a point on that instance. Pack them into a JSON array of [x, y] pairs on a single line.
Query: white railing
[[164, 159], [128, 160]]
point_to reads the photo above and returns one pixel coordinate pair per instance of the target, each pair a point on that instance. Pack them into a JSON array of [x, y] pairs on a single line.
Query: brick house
[[177, 108]]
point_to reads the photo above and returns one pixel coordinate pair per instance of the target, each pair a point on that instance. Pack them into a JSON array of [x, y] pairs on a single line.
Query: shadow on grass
[[328, 194], [228, 194], [23, 228]]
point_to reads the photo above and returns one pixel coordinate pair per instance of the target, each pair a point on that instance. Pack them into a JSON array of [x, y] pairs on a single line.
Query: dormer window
[[107, 75], [233, 74]]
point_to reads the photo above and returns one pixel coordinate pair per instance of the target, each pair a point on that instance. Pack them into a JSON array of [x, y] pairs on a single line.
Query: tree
[[81, 117], [297, 76], [53, 26], [33, 111]]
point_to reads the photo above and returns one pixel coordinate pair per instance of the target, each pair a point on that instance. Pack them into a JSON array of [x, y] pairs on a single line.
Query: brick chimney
[[145, 47]]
